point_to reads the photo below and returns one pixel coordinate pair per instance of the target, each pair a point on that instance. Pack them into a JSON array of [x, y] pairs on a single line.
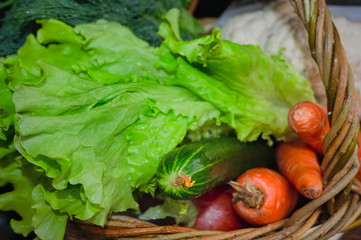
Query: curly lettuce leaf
[[6, 105], [253, 91], [7, 111], [104, 52], [10, 172], [112, 148], [48, 223], [26, 199], [183, 211]]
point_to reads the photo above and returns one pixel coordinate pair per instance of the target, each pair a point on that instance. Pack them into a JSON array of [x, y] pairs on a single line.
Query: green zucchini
[[194, 168]]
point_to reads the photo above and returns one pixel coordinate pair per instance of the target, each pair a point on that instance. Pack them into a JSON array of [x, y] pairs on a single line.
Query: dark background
[[205, 8], [214, 8]]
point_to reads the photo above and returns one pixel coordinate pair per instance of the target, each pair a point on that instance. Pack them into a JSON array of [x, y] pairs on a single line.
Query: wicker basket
[[338, 208]]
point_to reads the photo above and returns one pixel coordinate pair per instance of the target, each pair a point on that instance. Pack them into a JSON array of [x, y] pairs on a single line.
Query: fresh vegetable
[[94, 109], [182, 212], [358, 176], [216, 210], [28, 199], [94, 124], [263, 196], [253, 91], [6, 108], [309, 121], [194, 168], [299, 164], [141, 16]]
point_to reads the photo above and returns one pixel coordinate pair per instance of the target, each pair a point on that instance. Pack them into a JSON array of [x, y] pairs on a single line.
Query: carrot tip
[[311, 193]]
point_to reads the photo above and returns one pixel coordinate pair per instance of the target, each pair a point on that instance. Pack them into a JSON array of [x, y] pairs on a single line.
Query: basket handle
[[339, 165]]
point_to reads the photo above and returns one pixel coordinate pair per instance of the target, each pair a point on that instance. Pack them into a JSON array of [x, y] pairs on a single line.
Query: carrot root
[[310, 122], [299, 164], [265, 196]]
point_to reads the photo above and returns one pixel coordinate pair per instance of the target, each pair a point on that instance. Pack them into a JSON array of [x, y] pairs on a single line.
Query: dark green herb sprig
[[142, 16]]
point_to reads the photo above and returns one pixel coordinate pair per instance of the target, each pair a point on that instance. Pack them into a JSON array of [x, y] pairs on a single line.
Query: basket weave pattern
[[340, 198]]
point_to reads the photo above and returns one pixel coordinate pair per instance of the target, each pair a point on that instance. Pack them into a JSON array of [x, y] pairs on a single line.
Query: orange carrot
[[358, 176], [298, 163], [263, 196], [310, 122]]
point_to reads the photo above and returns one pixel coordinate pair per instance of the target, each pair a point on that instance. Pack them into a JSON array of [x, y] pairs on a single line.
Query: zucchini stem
[[183, 179]]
